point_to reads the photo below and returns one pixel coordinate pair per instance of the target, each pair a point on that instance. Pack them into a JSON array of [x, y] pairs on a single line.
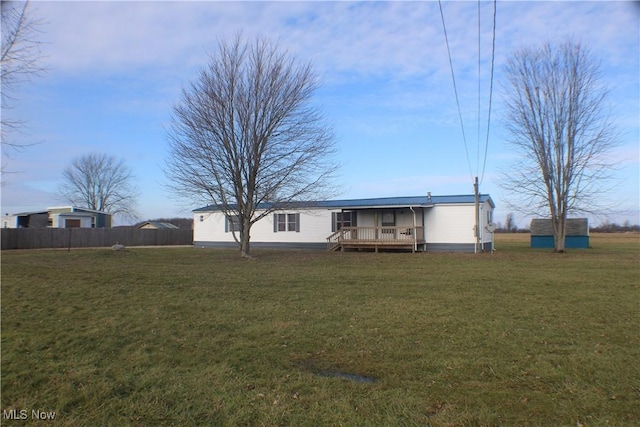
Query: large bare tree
[[556, 114], [100, 182], [19, 60], [246, 135]]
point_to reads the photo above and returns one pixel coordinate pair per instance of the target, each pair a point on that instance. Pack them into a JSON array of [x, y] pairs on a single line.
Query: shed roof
[[575, 227], [29, 213], [77, 214], [75, 209], [380, 202]]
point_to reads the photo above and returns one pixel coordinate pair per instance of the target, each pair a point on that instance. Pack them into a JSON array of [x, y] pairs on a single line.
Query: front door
[[388, 220]]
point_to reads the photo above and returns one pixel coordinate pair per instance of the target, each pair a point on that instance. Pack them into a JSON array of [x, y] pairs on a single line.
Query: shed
[[577, 233]]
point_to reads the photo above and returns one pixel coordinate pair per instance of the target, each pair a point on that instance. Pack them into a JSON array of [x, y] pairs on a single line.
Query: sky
[[115, 69]]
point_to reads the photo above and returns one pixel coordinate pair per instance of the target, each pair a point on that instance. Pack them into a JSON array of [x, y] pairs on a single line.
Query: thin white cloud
[[395, 50], [359, 39]]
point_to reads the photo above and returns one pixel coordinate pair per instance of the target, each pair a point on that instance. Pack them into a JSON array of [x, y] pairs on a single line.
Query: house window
[[342, 219], [282, 222], [388, 220], [231, 223], [286, 222]]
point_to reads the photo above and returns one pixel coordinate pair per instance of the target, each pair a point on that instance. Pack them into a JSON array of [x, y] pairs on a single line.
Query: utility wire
[[455, 89], [493, 52], [479, 94]]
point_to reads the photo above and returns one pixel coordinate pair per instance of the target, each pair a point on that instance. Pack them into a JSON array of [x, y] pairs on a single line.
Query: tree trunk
[[245, 246], [560, 234]]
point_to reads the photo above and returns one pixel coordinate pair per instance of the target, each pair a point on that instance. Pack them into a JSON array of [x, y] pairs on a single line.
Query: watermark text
[[24, 414]]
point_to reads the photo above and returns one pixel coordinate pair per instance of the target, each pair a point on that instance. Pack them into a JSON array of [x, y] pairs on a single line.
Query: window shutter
[[297, 223], [333, 222], [226, 224], [275, 223], [354, 218]]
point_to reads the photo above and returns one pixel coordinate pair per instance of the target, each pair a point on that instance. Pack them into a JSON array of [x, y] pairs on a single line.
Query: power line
[[493, 51], [455, 89], [479, 94]]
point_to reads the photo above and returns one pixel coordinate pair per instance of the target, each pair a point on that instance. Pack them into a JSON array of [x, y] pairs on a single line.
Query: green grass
[[188, 336]]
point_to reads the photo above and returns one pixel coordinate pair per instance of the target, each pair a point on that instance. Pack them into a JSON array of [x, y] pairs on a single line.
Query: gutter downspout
[[481, 225], [415, 234]]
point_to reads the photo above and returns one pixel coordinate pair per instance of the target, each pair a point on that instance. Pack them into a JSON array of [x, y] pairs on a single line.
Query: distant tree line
[[515, 229], [612, 227], [510, 226], [182, 223]]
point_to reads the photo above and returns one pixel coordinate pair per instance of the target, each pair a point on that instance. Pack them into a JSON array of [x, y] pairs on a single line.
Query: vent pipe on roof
[[429, 195]]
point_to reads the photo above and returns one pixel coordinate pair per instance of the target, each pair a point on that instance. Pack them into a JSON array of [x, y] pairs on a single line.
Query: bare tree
[[247, 138], [556, 116], [102, 183], [510, 224], [19, 61]]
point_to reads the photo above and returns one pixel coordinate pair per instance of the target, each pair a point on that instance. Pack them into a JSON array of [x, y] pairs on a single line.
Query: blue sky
[[115, 69]]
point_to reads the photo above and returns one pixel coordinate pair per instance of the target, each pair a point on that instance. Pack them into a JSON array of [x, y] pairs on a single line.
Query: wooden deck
[[404, 237]]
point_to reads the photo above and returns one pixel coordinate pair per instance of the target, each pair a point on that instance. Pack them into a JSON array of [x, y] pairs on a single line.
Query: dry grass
[[188, 336]]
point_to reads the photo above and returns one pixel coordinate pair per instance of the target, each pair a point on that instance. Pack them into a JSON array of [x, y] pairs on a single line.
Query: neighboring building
[[422, 223], [577, 233], [157, 225], [26, 220], [74, 217], [59, 217]]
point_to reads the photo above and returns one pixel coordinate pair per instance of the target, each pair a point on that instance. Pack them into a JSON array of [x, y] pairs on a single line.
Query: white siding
[[315, 227], [9, 221], [455, 223], [58, 220], [366, 219], [444, 224], [486, 214], [404, 217], [449, 224]]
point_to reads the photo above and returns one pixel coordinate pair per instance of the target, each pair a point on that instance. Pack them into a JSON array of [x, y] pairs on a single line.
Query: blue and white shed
[[577, 236]]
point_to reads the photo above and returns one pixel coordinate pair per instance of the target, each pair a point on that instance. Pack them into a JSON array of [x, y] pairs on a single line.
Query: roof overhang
[[401, 206], [374, 203]]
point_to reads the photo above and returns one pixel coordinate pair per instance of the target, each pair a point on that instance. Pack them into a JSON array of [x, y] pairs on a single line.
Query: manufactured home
[[421, 223]]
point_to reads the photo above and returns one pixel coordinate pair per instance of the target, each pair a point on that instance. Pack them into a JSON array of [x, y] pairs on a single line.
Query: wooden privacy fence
[[41, 238]]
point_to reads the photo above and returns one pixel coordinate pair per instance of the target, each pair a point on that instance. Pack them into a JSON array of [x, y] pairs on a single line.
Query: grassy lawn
[[184, 336]]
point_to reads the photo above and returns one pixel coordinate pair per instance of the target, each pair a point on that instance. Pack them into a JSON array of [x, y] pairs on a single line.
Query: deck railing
[[376, 236]]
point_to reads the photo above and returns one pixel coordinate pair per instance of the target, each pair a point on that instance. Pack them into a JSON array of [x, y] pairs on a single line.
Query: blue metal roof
[[383, 202]]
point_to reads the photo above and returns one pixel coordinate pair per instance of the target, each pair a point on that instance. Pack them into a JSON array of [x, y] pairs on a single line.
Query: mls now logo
[[23, 414], [15, 414]]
